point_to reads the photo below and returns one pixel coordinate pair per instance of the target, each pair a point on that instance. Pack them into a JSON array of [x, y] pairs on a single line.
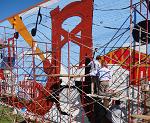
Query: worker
[[104, 80], [116, 113], [95, 66]]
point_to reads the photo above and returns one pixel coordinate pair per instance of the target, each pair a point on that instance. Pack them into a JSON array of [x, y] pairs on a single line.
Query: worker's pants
[[94, 83], [103, 88]]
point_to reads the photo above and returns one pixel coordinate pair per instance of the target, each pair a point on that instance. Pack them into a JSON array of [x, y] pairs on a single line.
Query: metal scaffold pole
[[139, 36]]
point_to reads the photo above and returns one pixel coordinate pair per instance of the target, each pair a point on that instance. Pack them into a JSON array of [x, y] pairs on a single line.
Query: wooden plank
[[110, 97], [138, 116], [38, 53], [103, 96], [64, 75]]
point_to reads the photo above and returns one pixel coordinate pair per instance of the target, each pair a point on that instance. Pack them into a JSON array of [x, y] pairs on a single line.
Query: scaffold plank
[[63, 75], [112, 97], [145, 117]]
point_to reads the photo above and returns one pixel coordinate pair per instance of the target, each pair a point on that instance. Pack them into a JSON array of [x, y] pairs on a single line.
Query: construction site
[[45, 50]]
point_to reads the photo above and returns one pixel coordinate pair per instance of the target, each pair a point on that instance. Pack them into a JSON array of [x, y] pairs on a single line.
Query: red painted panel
[[122, 57], [2, 75]]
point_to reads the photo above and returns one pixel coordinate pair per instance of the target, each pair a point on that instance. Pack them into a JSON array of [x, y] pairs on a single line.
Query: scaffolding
[[38, 86]]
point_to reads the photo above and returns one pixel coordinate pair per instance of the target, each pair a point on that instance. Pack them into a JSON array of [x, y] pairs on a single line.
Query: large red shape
[[137, 63], [84, 9]]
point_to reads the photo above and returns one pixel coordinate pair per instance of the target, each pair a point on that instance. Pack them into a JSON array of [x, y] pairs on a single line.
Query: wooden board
[[110, 97], [145, 117]]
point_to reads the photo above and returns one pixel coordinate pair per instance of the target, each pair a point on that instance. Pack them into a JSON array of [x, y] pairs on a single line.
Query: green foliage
[[7, 116]]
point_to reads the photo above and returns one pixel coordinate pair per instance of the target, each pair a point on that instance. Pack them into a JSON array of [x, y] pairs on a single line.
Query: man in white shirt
[[95, 66], [104, 79]]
